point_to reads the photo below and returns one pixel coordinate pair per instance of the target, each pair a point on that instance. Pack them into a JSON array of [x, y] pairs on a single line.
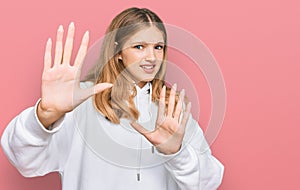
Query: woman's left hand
[[170, 127]]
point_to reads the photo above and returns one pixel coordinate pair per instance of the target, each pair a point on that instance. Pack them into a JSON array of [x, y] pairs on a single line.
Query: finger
[[82, 50], [185, 116], [172, 100], [139, 128], [161, 106], [101, 86], [69, 44], [147, 134], [47, 57], [86, 93], [179, 105], [58, 46]]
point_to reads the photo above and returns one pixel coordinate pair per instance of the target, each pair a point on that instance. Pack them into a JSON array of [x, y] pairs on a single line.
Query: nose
[[150, 55]]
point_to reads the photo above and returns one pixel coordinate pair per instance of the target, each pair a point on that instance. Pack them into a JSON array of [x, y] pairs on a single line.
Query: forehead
[[148, 35]]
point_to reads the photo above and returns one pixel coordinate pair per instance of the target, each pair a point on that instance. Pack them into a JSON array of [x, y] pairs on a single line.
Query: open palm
[[61, 90], [170, 125]]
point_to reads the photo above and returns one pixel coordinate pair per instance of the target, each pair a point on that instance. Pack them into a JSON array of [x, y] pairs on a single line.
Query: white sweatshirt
[[91, 153]]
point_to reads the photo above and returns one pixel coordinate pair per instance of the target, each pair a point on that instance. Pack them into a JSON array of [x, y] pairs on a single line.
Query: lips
[[148, 68]]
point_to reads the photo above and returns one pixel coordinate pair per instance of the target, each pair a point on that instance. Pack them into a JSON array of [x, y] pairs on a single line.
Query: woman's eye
[[138, 47], [159, 47]]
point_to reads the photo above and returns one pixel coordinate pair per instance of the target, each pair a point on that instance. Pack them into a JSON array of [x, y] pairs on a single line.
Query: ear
[[119, 57]]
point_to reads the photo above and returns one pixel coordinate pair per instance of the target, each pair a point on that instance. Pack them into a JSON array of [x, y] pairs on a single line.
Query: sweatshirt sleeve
[[34, 150], [193, 167]]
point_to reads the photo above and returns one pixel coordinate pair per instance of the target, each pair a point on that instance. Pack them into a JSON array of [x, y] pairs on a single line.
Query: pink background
[[256, 44]]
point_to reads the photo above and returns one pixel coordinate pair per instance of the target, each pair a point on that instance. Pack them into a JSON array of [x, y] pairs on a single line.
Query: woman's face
[[143, 54]]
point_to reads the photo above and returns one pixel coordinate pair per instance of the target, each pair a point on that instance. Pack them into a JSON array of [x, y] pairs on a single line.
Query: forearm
[[194, 171], [193, 167], [184, 169], [29, 146]]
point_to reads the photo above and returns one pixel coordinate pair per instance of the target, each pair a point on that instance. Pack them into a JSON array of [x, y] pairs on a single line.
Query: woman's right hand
[[61, 91]]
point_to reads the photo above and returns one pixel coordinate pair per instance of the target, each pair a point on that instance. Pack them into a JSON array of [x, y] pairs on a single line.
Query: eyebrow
[[143, 42]]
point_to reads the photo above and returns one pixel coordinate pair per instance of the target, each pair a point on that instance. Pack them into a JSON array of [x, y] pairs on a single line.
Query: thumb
[[100, 87], [147, 134], [139, 128], [86, 93]]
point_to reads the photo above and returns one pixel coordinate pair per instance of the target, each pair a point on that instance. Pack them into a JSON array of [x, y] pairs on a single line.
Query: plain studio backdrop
[[256, 44]]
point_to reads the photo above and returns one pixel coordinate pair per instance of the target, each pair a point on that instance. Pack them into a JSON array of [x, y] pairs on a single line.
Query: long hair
[[117, 101]]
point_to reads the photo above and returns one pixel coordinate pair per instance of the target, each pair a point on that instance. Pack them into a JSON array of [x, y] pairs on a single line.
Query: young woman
[[120, 129]]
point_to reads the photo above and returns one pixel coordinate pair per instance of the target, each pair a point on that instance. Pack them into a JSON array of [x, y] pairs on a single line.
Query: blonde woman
[[120, 129]]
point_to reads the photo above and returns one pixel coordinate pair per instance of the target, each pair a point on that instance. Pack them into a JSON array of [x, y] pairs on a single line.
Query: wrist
[[168, 152], [46, 116]]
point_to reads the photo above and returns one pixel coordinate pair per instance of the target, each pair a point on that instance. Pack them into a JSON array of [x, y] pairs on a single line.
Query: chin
[[149, 79]]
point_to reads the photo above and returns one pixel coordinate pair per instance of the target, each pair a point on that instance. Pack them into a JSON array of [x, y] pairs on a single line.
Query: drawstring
[[140, 144], [139, 160]]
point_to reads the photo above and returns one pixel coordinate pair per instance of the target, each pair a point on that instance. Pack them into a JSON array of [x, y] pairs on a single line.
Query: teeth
[[147, 67]]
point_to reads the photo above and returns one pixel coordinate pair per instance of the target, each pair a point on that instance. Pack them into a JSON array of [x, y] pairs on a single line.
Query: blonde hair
[[117, 102]]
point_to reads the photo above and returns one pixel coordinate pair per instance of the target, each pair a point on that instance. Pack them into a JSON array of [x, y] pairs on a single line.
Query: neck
[[141, 84]]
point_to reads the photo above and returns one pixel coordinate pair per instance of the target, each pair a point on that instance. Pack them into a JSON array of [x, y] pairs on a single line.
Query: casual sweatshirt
[[89, 152]]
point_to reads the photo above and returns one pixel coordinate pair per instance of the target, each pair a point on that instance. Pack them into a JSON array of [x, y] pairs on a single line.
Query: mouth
[[148, 68]]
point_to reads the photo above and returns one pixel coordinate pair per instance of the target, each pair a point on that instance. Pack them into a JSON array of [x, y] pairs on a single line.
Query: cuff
[[37, 128], [179, 159], [170, 156]]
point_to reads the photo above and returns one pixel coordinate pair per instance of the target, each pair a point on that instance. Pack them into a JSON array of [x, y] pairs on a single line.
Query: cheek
[[132, 57], [160, 55]]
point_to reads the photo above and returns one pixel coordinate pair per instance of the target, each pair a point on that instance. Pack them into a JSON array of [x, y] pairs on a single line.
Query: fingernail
[[71, 24], [60, 28], [87, 33], [182, 92], [175, 86], [109, 85]]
